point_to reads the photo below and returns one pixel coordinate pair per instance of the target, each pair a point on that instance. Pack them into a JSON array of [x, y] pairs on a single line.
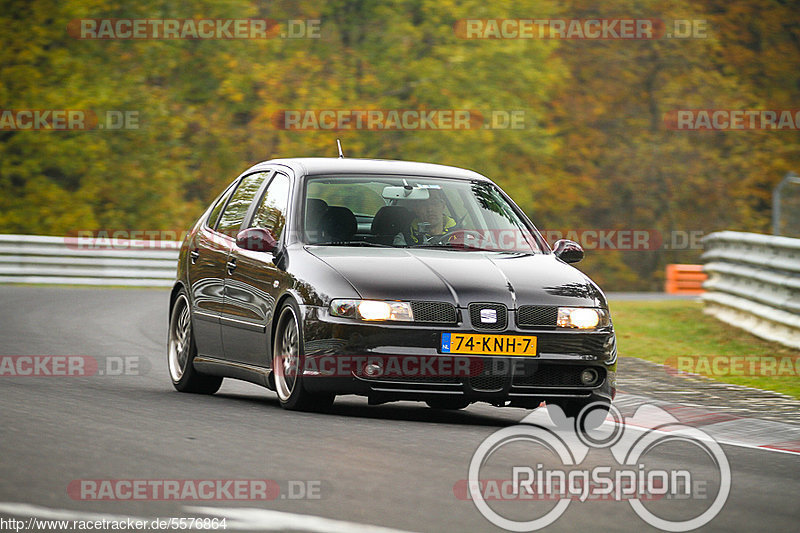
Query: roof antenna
[[339, 145]]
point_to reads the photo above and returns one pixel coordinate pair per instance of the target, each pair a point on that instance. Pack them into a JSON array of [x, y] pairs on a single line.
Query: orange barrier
[[685, 279]]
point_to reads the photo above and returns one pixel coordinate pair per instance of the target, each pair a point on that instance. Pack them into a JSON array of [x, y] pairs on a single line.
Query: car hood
[[461, 277]]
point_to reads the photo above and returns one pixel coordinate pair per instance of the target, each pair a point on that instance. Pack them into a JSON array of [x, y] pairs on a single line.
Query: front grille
[[576, 343], [436, 312], [537, 315], [488, 382], [545, 375], [410, 379], [500, 313]]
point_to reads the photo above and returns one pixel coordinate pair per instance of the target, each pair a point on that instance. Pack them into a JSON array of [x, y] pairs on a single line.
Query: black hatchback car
[[392, 280]]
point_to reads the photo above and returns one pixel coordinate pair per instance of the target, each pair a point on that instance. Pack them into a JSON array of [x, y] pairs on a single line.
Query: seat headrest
[[315, 209], [338, 224], [391, 220]]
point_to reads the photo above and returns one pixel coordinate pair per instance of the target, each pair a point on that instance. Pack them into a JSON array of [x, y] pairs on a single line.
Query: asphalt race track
[[393, 466]]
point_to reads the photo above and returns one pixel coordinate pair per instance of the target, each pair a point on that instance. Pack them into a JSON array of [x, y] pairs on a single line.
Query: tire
[[575, 409], [288, 360], [451, 404], [181, 351]]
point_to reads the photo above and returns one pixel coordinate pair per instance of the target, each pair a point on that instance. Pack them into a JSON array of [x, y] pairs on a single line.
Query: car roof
[[315, 166]]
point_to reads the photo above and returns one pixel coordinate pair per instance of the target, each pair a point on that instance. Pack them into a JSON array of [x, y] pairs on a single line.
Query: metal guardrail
[[754, 283], [87, 261]]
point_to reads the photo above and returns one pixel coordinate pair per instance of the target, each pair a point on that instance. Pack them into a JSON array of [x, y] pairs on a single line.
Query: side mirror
[[568, 251], [256, 240]]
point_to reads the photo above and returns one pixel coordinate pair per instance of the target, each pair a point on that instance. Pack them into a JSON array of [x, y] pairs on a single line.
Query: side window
[[240, 201], [271, 214], [211, 222]]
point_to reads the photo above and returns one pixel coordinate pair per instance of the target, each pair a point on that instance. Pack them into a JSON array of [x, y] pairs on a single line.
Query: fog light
[[373, 370], [589, 376]]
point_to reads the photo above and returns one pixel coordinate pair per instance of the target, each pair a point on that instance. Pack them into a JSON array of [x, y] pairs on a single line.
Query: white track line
[[269, 520], [752, 433]]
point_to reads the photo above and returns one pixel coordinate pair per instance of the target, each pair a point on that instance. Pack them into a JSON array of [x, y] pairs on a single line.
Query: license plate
[[471, 343]]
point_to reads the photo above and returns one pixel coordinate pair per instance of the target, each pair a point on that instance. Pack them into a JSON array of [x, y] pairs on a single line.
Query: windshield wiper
[[462, 246], [351, 243], [454, 246]]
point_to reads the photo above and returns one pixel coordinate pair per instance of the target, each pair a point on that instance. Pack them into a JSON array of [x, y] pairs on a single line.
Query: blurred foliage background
[[595, 153]]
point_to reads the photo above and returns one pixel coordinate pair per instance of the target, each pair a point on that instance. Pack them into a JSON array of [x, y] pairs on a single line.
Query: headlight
[[372, 310], [582, 317]]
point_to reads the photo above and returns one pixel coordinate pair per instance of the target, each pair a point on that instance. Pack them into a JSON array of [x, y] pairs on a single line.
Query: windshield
[[413, 211]]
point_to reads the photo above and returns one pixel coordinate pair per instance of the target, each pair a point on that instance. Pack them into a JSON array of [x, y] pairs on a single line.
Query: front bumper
[[338, 350]]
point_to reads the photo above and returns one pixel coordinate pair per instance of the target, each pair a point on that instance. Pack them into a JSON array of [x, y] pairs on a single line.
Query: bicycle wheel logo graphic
[[569, 444]]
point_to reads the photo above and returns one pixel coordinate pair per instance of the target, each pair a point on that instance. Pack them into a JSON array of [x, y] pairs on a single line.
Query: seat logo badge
[[488, 316]]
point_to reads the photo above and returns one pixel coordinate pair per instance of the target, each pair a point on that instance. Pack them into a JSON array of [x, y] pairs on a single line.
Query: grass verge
[[678, 334]]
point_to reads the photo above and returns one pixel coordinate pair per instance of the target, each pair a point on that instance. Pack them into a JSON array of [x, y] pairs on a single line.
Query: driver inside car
[[430, 218]]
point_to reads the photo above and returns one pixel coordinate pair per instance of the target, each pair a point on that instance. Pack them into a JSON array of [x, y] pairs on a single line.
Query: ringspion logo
[[572, 476]]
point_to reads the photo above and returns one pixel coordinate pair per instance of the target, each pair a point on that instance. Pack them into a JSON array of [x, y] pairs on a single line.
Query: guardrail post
[[790, 177]]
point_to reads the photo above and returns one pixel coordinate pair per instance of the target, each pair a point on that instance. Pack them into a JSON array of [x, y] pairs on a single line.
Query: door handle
[[231, 265], [193, 255]]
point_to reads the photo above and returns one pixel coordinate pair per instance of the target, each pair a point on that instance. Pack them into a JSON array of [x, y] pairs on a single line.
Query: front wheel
[[287, 364], [181, 351]]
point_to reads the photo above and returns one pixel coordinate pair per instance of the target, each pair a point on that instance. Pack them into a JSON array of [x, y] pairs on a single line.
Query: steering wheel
[[461, 236]]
